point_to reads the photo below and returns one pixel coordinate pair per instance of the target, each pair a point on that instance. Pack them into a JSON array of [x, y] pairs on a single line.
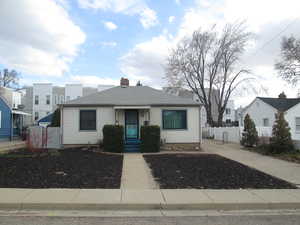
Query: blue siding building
[[6, 131]]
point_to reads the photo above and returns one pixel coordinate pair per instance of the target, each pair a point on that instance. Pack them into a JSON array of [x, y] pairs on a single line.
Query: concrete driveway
[[279, 168]]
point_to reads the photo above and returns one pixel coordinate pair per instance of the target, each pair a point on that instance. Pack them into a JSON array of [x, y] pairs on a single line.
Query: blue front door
[[131, 124]]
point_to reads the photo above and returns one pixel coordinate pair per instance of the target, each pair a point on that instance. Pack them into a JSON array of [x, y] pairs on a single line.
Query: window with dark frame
[[174, 119], [48, 99], [87, 120], [228, 111], [36, 115], [36, 99]]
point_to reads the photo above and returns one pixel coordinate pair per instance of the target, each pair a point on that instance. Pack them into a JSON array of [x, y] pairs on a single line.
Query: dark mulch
[[71, 168], [208, 171]]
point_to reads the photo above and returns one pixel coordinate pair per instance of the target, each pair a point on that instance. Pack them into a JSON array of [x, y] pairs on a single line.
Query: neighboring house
[[42, 99], [177, 91], [11, 120], [262, 111], [229, 113], [82, 119]]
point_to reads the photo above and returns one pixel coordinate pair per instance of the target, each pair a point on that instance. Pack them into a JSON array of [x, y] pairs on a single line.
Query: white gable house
[[262, 111], [82, 119]]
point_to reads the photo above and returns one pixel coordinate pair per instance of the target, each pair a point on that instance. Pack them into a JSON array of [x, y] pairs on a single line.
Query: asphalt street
[[151, 218]]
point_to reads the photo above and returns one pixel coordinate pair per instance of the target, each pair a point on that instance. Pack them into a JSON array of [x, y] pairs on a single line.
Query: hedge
[[150, 139], [113, 138]]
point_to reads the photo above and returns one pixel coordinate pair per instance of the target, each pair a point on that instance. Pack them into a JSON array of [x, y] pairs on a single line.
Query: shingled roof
[[131, 96], [281, 104]]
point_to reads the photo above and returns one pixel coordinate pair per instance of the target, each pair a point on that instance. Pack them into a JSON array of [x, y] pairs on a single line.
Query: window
[[0, 119], [87, 120], [68, 98], [174, 119], [36, 99], [266, 122], [36, 115], [55, 99], [297, 124], [228, 111], [62, 99], [228, 121], [47, 99]]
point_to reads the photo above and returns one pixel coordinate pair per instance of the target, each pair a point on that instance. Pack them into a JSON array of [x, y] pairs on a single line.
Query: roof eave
[[112, 105]]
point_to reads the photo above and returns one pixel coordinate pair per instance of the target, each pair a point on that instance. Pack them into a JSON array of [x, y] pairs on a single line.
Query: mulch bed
[[70, 168], [208, 171]]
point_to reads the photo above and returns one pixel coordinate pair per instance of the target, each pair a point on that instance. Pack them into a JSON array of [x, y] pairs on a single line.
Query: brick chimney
[[124, 82]]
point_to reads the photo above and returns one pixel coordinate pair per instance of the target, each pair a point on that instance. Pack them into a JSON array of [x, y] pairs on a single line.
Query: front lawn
[[208, 171], [70, 168]]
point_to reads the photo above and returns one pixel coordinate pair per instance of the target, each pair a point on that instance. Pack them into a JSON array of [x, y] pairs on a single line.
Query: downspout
[[200, 127], [61, 124], [11, 126]]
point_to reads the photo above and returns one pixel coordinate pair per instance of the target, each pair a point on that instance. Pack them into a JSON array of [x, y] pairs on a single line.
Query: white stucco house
[[82, 119], [262, 111]]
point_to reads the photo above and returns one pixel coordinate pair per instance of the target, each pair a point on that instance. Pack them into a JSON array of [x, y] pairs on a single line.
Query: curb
[[151, 206]]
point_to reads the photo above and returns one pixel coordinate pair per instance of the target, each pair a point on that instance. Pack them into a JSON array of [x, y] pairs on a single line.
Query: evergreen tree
[[249, 136], [281, 140], [56, 118]]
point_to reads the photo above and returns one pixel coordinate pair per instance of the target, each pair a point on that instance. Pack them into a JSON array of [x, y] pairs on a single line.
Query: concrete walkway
[[6, 146], [124, 199], [136, 173], [279, 168]]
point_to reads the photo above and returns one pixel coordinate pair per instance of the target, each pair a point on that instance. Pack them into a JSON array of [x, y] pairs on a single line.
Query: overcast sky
[[98, 41]]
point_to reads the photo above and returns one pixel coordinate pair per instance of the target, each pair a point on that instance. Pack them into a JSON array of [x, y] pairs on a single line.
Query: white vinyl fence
[[44, 137], [232, 134]]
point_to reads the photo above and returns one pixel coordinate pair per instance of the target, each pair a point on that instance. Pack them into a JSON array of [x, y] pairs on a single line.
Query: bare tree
[[207, 62], [289, 65], [9, 78]]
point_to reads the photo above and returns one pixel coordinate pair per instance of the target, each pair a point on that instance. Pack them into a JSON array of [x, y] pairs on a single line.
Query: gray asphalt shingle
[[131, 96], [281, 104]]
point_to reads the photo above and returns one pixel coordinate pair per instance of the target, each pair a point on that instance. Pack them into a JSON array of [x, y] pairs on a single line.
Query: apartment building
[[12, 97], [42, 99]]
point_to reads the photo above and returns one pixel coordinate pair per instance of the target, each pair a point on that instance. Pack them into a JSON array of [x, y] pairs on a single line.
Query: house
[[82, 119], [11, 121], [262, 111], [229, 114]]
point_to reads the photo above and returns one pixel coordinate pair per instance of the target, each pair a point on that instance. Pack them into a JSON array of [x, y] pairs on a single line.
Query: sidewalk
[[108, 199], [6, 146], [279, 168], [136, 174]]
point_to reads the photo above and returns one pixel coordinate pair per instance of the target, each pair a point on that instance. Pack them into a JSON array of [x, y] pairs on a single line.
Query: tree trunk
[[209, 118], [220, 119]]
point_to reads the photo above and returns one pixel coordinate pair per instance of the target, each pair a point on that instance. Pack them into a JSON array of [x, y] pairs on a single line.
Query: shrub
[[150, 139], [281, 141], [113, 138], [55, 118], [249, 136]]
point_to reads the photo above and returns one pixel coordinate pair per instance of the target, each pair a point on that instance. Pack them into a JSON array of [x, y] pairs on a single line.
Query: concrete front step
[[130, 199]]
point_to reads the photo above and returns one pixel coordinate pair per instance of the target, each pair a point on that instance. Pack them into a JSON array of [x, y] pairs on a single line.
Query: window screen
[[87, 120], [174, 119]]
